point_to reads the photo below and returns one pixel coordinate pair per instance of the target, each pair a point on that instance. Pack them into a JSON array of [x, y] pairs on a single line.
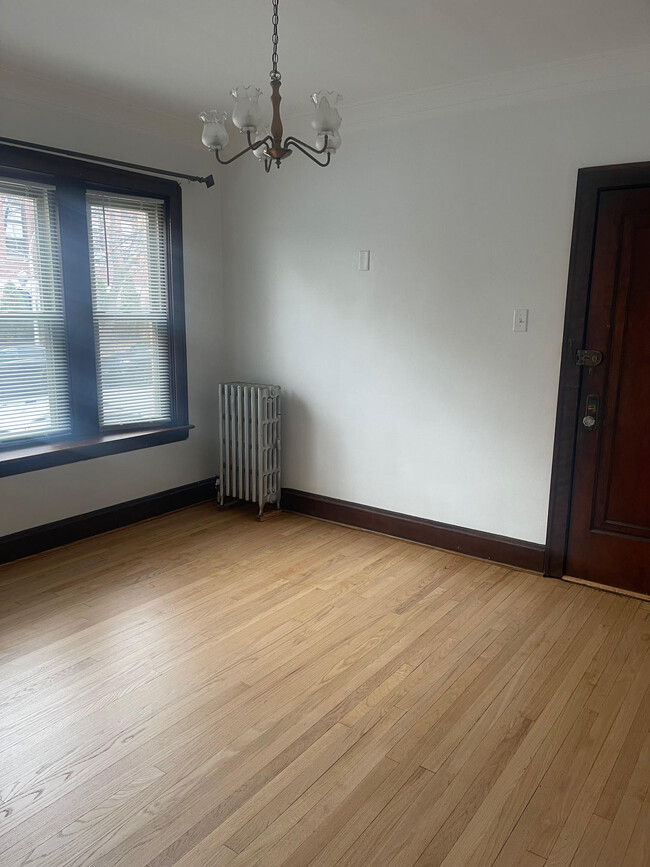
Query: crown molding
[[28, 88], [613, 70]]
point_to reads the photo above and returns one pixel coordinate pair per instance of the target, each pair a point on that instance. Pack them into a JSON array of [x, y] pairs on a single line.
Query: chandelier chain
[[275, 75]]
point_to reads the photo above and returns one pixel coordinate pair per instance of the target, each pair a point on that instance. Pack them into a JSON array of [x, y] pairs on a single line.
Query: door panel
[[625, 464], [609, 530]]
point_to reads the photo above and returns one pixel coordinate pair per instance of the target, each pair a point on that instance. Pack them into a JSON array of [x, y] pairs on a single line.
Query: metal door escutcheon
[[588, 357], [590, 419]]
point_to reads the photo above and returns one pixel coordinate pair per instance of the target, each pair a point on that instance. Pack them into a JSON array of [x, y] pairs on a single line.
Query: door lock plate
[[590, 419]]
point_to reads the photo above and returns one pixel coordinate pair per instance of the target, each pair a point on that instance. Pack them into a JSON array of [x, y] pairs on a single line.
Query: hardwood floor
[[203, 690]]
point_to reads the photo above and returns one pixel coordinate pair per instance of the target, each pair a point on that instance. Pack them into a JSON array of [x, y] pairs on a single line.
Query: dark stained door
[[609, 529]]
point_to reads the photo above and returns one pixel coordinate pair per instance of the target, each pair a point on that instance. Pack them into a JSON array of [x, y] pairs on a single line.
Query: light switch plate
[[364, 260]]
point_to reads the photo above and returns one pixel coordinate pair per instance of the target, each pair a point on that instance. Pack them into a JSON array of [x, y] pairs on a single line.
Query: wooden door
[[609, 516]]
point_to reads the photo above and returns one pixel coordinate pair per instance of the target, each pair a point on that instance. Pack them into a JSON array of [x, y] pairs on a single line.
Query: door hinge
[[588, 357]]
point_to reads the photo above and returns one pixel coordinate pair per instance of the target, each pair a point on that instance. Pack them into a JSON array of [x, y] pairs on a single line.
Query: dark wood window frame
[[591, 183], [86, 440]]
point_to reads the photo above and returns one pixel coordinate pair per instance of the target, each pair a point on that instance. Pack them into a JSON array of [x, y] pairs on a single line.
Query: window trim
[[40, 457], [72, 177]]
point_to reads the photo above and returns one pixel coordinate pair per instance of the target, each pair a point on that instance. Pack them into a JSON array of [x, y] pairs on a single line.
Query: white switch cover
[[364, 260], [520, 319]]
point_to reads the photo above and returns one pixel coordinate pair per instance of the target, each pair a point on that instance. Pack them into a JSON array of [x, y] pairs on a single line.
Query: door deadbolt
[[590, 420]]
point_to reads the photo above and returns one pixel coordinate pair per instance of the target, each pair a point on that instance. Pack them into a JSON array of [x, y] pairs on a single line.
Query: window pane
[[34, 398], [134, 370], [130, 308]]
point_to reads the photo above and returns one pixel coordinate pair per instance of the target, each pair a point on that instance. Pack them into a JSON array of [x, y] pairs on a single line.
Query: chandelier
[[271, 148]]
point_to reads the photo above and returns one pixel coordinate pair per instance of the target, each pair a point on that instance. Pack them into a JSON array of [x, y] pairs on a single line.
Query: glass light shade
[[215, 135], [333, 141], [262, 132], [246, 113], [326, 116]]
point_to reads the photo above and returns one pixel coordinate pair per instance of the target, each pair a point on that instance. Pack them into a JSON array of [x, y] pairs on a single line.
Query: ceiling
[[181, 56]]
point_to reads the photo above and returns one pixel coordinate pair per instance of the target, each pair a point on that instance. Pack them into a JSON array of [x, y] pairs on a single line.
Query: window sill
[[29, 458]]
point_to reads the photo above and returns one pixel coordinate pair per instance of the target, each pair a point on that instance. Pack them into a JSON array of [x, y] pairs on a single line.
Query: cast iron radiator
[[249, 437]]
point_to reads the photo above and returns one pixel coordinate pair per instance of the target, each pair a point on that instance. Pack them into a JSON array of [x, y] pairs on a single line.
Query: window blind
[[34, 390], [130, 308]]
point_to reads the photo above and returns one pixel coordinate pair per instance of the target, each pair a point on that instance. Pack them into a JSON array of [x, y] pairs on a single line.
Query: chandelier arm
[[267, 164], [307, 154], [232, 159], [252, 146], [290, 139]]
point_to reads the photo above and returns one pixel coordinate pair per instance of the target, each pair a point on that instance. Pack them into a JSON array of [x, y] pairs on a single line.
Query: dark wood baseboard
[[500, 549], [488, 546], [37, 539]]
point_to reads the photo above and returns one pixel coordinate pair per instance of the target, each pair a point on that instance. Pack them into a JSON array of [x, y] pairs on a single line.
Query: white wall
[[36, 498], [405, 387]]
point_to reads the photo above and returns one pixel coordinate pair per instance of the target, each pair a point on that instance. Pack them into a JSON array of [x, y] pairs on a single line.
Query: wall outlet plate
[[520, 319]]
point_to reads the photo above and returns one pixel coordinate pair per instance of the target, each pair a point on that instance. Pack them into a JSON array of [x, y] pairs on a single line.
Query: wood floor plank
[[615, 787], [616, 717], [638, 850], [592, 842], [529, 859], [629, 809], [479, 827], [203, 689], [328, 839], [517, 801]]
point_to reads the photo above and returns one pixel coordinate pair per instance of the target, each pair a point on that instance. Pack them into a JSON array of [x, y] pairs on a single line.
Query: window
[[130, 315], [34, 395], [92, 351]]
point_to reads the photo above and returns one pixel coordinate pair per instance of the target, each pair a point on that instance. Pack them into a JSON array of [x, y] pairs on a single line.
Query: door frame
[[591, 183]]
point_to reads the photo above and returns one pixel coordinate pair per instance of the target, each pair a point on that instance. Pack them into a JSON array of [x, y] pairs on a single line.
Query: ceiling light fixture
[[271, 148]]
